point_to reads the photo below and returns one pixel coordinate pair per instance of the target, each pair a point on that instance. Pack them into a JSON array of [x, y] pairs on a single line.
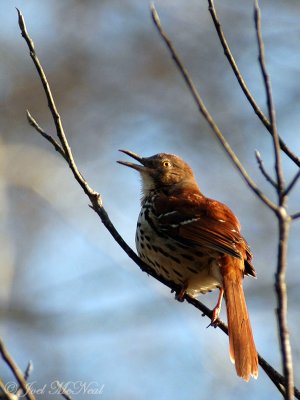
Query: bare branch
[[283, 222], [206, 114], [270, 103], [16, 371], [242, 83], [278, 379], [51, 104], [262, 169], [281, 290]]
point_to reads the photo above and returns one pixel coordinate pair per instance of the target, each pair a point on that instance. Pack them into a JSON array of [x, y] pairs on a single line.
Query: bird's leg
[[217, 309], [180, 295]]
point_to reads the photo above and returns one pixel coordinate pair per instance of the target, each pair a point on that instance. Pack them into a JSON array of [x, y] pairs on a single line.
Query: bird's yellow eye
[[166, 164]]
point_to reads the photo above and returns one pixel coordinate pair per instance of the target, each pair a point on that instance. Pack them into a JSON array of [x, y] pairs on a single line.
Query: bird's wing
[[195, 220]]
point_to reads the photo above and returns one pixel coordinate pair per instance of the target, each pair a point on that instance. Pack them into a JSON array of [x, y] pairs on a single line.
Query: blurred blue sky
[[71, 301]]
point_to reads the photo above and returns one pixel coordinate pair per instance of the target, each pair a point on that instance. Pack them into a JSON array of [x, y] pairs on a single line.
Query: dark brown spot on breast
[[177, 273], [193, 270], [152, 225], [168, 255], [187, 257], [165, 270], [150, 261], [177, 260]]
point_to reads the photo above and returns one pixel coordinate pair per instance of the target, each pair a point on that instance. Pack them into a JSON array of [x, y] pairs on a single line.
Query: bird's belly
[[196, 269]]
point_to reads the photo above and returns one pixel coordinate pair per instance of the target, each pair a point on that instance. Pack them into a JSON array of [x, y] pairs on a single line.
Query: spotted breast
[[194, 270]]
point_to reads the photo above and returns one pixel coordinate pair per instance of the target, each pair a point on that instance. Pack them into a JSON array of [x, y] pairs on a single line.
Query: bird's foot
[[180, 295], [214, 322], [216, 311]]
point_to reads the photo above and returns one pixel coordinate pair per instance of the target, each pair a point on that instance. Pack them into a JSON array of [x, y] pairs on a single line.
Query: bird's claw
[[179, 296], [214, 318], [213, 323]]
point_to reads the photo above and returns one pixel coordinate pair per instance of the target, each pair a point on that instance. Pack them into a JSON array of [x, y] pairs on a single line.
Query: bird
[[195, 242]]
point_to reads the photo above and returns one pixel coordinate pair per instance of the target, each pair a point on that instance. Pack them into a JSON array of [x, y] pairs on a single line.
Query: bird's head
[[166, 172]]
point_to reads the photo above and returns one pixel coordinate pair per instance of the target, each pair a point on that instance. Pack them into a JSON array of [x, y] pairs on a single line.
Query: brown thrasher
[[195, 242]]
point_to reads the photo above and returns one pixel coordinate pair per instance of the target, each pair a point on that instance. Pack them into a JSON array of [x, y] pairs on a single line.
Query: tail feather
[[242, 348]]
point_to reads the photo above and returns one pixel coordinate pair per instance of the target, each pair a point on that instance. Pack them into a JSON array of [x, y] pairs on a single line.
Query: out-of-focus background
[[71, 300]]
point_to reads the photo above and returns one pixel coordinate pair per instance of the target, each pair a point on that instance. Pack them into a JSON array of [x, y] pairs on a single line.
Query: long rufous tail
[[241, 343]]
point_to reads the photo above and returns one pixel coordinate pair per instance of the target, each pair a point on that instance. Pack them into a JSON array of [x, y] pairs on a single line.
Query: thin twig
[[6, 394], [16, 371], [262, 169], [292, 184], [27, 373], [206, 114], [51, 105], [242, 83], [283, 222], [278, 380], [270, 103], [50, 139], [99, 209], [28, 370], [295, 216], [63, 391]]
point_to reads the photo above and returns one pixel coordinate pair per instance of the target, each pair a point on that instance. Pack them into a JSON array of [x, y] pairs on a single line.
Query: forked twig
[[27, 373], [283, 222], [242, 83], [55, 115], [262, 169], [27, 392], [50, 139], [202, 108]]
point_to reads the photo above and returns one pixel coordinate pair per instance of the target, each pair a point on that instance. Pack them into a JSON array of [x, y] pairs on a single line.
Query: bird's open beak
[[142, 160]]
